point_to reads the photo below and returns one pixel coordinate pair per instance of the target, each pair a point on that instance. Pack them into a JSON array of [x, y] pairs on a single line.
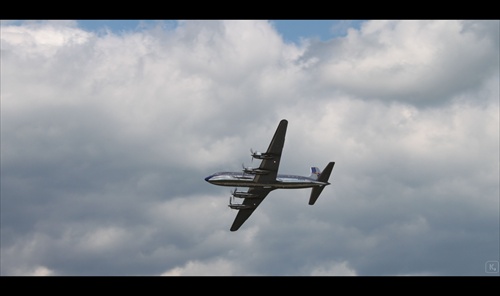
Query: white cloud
[[41, 40], [36, 271], [421, 62], [42, 271], [218, 267]]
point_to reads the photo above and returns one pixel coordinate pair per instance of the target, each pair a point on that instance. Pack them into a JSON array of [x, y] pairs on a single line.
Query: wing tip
[[235, 227]]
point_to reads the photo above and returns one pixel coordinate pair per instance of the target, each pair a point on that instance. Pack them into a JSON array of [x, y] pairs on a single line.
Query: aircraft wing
[[270, 165], [254, 202], [275, 148]]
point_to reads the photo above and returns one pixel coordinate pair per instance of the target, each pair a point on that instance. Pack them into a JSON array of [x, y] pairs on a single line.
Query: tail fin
[[323, 177], [315, 172]]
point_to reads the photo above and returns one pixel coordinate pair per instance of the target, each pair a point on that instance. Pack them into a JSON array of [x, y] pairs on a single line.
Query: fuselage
[[238, 179]]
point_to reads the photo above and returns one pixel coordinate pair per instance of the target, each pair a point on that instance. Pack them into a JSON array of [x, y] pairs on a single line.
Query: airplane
[[264, 179]]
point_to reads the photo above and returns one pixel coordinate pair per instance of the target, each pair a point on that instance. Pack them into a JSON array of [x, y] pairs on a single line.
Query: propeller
[[244, 168], [252, 153]]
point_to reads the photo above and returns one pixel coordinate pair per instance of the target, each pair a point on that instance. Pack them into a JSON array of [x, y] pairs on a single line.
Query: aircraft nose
[[208, 178]]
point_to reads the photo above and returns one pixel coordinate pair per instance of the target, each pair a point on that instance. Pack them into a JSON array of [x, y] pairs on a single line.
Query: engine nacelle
[[259, 155], [255, 171], [241, 207], [242, 194]]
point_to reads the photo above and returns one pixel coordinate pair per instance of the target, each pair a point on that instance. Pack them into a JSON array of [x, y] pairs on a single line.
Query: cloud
[[220, 267], [106, 139], [418, 62], [333, 269]]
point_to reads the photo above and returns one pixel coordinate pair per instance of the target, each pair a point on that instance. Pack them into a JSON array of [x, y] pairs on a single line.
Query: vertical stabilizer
[[315, 172]]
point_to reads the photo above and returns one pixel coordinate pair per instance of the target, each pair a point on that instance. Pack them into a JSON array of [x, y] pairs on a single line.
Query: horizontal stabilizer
[[316, 191]]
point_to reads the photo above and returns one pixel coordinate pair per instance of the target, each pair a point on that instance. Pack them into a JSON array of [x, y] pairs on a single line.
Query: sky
[[108, 130]]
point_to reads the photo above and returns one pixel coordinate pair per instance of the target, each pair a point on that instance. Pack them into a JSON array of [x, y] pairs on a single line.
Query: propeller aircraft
[[264, 179]]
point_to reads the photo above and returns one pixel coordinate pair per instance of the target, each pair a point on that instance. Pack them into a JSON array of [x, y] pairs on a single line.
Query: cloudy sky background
[[106, 136]]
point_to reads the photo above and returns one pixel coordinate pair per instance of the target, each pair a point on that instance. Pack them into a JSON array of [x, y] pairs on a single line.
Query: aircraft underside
[[282, 182]]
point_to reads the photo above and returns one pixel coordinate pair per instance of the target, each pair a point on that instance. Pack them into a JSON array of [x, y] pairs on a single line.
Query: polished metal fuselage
[[237, 179]]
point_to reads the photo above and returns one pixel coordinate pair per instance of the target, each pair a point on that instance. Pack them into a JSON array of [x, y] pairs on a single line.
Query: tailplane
[[323, 177]]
